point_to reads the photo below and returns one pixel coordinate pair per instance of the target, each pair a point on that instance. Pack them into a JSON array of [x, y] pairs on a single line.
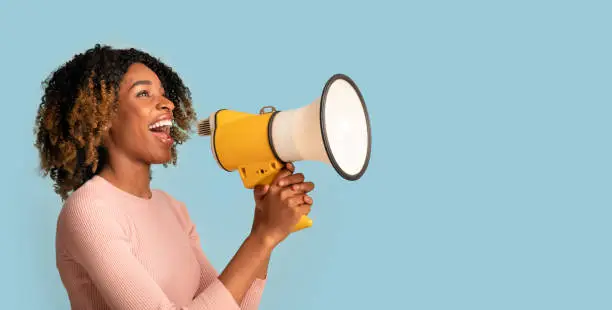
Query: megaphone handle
[[264, 173], [304, 222]]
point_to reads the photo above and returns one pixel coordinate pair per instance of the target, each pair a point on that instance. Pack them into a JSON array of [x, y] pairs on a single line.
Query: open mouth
[[161, 130]]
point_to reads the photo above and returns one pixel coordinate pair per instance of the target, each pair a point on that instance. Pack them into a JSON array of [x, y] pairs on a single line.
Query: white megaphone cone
[[334, 129]]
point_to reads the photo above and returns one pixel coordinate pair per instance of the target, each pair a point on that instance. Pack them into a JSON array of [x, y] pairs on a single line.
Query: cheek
[[131, 124]]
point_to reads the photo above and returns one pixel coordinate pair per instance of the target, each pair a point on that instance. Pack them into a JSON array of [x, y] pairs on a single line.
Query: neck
[[128, 175]]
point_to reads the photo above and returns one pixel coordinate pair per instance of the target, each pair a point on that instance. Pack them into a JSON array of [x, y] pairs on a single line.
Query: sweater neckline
[[123, 193]]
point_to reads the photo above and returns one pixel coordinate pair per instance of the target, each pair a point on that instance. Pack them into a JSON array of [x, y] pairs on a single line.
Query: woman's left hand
[[288, 179], [297, 183]]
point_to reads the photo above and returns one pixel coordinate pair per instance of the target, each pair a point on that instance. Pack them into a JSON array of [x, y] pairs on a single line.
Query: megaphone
[[333, 129]]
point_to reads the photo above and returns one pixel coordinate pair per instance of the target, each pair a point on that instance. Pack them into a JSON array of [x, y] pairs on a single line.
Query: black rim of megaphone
[[332, 159]]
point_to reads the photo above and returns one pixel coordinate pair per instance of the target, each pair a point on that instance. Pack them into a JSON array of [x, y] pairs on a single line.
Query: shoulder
[[170, 200], [90, 219], [177, 206], [89, 208]]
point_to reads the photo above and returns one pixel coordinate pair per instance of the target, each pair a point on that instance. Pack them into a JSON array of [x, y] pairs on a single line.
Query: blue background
[[489, 183]]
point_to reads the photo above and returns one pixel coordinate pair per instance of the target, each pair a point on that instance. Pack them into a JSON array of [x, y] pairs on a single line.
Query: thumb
[[260, 190]]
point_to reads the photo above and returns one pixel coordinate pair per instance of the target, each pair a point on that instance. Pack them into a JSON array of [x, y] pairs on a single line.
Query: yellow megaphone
[[334, 129]]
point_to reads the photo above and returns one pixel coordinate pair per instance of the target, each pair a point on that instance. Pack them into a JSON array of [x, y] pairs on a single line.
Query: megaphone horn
[[334, 129]]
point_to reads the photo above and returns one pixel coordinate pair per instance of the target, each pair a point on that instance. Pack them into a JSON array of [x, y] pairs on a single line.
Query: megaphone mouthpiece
[[204, 127]]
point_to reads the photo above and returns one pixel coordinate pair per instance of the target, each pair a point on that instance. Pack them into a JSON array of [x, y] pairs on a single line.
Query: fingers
[[307, 200], [304, 209], [290, 183], [291, 179], [299, 200], [260, 191], [302, 205], [290, 167], [283, 173], [303, 187], [299, 188]]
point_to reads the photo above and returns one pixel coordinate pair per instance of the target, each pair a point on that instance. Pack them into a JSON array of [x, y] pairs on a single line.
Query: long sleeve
[[98, 238], [252, 297]]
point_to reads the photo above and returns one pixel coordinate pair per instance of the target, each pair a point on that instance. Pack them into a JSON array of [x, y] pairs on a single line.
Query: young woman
[[106, 116]]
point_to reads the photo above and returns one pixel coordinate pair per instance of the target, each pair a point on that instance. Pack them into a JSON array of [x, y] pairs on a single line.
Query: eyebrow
[[145, 82]]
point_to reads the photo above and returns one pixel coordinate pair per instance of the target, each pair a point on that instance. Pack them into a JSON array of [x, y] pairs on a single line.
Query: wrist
[[261, 240]]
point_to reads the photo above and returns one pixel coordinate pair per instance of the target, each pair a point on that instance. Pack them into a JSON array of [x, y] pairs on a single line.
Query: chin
[[161, 159], [157, 155], [160, 152]]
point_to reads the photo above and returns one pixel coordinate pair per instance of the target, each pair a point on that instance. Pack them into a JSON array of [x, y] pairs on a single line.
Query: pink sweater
[[118, 251]]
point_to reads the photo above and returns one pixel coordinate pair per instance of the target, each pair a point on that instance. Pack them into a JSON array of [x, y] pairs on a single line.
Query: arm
[[262, 272], [248, 296], [100, 243], [248, 291], [258, 194], [252, 298]]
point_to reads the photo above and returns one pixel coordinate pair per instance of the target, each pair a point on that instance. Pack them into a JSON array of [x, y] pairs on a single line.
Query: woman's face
[[141, 128]]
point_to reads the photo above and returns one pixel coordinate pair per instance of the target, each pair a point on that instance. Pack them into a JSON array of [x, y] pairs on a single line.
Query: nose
[[166, 104]]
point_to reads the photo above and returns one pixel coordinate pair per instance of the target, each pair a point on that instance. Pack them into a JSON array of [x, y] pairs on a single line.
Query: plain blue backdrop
[[489, 185]]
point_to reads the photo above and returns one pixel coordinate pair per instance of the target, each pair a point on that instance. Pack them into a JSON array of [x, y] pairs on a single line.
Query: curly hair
[[78, 102]]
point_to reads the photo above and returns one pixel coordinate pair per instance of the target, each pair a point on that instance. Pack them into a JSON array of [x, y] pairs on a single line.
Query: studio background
[[490, 176]]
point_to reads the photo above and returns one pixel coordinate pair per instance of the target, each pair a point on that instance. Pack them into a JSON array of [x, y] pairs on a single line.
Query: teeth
[[166, 122]]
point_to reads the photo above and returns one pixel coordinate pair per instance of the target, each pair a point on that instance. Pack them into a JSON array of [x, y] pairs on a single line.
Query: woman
[[106, 116]]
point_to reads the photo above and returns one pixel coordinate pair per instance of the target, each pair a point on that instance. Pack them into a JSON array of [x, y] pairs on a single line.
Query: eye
[[143, 93]]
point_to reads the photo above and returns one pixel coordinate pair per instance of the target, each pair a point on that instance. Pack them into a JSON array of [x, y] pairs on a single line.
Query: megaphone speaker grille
[[345, 127]]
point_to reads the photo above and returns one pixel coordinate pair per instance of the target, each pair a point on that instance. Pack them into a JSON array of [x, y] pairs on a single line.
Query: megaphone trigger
[[261, 173], [333, 129]]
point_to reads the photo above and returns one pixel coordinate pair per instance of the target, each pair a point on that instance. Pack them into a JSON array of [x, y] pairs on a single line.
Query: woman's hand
[[280, 205]]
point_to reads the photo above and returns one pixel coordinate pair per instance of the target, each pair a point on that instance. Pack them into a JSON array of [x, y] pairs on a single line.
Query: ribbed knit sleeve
[[97, 237], [252, 298]]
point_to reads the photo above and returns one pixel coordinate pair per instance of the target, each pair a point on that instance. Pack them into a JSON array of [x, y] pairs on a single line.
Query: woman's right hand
[[280, 205]]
